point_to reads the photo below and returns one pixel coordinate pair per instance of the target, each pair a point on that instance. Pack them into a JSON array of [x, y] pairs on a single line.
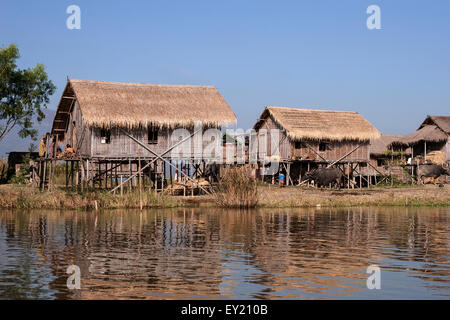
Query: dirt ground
[[274, 196]]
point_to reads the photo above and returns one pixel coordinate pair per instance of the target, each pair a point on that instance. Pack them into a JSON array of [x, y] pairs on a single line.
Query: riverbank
[[269, 196], [428, 195]]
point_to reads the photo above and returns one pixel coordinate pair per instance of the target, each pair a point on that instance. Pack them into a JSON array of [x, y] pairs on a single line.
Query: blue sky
[[312, 54]]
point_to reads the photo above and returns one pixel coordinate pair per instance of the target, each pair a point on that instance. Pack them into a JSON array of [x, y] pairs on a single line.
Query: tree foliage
[[23, 94]]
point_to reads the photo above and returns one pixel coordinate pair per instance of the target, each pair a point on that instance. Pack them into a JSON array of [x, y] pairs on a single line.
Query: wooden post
[[77, 172], [66, 169], [111, 175], [99, 178], [44, 175], [131, 173], [171, 178], [163, 176], [140, 183], [121, 186], [425, 152], [88, 174], [308, 171], [348, 175]]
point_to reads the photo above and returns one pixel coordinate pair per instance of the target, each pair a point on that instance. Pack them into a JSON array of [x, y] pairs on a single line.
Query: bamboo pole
[[140, 182], [160, 156]]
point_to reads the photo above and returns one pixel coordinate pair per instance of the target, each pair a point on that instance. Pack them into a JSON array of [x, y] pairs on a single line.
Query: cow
[[430, 171], [325, 177]]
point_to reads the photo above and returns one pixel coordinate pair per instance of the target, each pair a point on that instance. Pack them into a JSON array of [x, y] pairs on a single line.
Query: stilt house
[[120, 131], [91, 114], [431, 141], [311, 138]]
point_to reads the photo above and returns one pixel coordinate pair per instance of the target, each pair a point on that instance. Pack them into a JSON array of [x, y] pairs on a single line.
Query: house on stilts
[[387, 160], [120, 131], [309, 139], [430, 143]]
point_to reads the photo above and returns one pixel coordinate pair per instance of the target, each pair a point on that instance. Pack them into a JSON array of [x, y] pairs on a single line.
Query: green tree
[[23, 94]]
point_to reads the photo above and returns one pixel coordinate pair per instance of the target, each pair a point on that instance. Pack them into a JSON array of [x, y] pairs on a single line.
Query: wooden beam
[[160, 156], [345, 156]]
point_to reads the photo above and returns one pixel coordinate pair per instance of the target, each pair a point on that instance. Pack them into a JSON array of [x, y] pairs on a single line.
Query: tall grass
[[236, 189], [24, 197]]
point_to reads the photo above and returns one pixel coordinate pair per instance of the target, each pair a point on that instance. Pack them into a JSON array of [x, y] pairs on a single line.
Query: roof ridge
[[304, 109], [141, 84]]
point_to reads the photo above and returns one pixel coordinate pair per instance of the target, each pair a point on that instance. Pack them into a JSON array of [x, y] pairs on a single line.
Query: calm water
[[226, 254]]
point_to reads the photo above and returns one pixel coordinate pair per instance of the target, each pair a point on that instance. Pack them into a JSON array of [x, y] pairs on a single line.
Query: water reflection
[[222, 254]]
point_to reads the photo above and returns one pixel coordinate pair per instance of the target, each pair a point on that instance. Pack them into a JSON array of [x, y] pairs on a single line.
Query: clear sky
[[312, 54]]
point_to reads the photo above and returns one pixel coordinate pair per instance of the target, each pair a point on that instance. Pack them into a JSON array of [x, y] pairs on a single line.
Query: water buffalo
[[431, 171], [325, 177], [212, 172]]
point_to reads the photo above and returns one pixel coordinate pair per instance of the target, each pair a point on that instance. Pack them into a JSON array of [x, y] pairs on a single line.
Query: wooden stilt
[[140, 183], [66, 173], [131, 174]]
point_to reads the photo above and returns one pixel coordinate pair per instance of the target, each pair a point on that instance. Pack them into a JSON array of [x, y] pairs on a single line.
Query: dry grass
[[237, 189], [429, 195], [26, 197]]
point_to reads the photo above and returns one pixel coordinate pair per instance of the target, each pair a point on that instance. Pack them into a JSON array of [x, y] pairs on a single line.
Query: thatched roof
[[384, 143], [107, 104], [442, 122], [432, 129], [320, 124]]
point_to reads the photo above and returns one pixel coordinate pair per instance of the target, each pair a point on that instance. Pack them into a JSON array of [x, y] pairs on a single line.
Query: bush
[[236, 189]]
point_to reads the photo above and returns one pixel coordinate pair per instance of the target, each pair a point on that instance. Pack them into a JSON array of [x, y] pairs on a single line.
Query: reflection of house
[[433, 136], [309, 138]]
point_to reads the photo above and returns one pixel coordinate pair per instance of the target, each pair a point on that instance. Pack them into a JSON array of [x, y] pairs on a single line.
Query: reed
[[237, 189], [26, 197]]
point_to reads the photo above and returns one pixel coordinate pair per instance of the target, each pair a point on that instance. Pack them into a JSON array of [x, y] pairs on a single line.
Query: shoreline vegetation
[[15, 196]]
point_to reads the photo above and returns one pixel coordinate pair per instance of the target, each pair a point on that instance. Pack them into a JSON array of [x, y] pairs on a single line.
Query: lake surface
[[226, 254]]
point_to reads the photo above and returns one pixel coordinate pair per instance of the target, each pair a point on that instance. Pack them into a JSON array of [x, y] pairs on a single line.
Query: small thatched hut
[[91, 113], [386, 158], [308, 138], [383, 150], [433, 135]]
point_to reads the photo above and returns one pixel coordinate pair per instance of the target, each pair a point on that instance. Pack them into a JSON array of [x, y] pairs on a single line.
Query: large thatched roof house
[[90, 114], [318, 135], [433, 135]]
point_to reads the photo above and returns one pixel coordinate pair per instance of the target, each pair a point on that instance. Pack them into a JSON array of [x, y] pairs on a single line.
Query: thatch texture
[[432, 129], [429, 133], [107, 104], [383, 143], [320, 124], [442, 122]]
